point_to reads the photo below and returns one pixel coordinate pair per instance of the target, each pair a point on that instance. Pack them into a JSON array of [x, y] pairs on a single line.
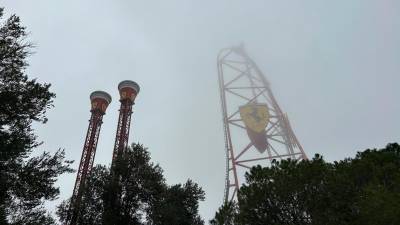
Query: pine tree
[[26, 182]]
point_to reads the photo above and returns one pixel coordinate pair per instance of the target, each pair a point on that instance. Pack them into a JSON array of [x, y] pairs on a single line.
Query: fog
[[333, 66]]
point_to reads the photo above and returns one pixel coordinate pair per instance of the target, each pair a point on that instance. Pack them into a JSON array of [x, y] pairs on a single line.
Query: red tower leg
[[99, 101]]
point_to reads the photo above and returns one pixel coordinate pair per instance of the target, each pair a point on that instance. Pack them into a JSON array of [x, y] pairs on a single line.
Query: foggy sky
[[333, 66]]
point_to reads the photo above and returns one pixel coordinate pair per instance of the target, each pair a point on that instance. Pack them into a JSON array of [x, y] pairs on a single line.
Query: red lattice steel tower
[[99, 102], [249, 107], [128, 91]]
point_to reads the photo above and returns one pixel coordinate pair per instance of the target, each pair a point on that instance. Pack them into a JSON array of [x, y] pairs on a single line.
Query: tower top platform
[[102, 95], [100, 100], [128, 90], [129, 84]]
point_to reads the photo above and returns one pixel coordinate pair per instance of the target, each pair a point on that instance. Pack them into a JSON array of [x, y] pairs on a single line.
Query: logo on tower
[[255, 116]]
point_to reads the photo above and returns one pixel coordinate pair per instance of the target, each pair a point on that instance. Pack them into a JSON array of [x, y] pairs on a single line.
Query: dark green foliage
[[25, 182], [361, 191], [92, 199], [179, 205], [226, 214], [136, 193], [134, 187], [22, 100]]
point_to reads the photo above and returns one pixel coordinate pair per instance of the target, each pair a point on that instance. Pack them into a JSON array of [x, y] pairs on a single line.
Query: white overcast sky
[[334, 68]]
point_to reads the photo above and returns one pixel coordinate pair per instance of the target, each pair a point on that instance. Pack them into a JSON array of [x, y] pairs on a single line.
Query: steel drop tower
[[99, 103], [128, 91], [249, 107]]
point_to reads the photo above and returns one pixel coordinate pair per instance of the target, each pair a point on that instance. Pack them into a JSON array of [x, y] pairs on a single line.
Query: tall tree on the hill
[[360, 191], [139, 196], [25, 182]]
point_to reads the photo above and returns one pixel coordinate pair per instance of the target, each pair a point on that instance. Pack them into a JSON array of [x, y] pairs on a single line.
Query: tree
[[363, 190], [226, 214], [179, 205], [134, 186], [92, 200], [26, 182], [134, 192]]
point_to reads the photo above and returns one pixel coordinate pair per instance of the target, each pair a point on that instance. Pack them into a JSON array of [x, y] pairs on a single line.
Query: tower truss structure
[[249, 107], [99, 103], [128, 91]]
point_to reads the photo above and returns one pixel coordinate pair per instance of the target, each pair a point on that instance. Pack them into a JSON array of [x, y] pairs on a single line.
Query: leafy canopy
[[134, 192], [364, 190], [25, 182]]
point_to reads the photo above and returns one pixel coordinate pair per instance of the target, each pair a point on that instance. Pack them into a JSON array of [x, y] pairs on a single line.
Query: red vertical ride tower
[[128, 91], [250, 109], [99, 101]]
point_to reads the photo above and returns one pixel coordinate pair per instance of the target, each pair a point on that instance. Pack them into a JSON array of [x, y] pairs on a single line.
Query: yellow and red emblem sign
[[255, 116]]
